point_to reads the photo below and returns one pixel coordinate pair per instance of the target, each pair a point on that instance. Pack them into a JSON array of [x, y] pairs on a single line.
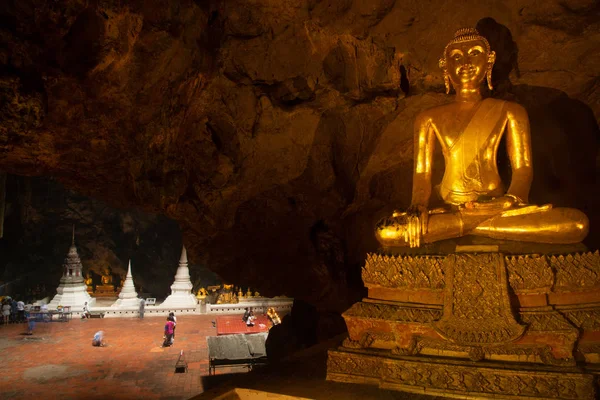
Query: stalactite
[[2, 201]]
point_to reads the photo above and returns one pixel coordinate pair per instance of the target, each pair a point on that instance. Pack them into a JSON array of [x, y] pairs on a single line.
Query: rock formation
[[277, 132]]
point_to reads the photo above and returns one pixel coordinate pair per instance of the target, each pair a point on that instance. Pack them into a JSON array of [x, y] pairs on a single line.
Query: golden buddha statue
[[469, 131], [88, 279], [107, 276]]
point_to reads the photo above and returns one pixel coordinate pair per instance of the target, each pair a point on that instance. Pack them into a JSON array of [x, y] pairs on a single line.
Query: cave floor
[[59, 362]]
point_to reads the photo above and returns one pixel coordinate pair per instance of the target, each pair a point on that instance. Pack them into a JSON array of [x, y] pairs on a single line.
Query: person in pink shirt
[[169, 329]]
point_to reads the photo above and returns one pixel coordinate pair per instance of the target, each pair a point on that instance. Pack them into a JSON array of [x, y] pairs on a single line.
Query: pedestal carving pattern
[[526, 320], [477, 309]]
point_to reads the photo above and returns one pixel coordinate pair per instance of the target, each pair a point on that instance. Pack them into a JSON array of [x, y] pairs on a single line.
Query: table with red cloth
[[233, 324]]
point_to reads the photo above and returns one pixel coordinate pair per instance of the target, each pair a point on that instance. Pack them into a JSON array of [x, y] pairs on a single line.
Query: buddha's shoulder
[[452, 107], [508, 105], [435, 112]]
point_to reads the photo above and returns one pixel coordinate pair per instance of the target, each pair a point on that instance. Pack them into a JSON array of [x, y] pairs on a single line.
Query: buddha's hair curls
[[466, 35]]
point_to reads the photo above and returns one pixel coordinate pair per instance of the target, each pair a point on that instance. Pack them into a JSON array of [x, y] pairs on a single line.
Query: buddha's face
[[467, 63]]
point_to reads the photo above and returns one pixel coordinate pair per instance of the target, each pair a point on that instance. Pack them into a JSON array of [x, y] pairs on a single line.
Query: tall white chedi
[[181, 290], [72, 290], [128, 297]]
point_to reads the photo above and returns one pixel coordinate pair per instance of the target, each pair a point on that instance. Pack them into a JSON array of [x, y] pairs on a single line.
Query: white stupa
[[72, 290], [128, 297], [181, 290]]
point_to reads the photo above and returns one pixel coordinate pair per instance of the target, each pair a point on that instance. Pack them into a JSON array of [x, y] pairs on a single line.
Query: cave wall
[[277, 132]]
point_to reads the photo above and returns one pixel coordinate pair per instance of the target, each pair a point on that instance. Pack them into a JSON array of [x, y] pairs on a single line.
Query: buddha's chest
[[459, 130]]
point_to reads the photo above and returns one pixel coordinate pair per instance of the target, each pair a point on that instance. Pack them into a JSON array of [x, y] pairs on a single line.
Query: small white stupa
[[181, 290], [72, 290], [128, 297]]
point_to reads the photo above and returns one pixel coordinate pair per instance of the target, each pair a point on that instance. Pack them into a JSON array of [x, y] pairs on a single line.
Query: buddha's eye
[[456, 57], [474, 52]]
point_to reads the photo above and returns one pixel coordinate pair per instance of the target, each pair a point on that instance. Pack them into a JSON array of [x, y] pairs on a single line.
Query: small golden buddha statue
[[240, 293], [273, 316], [202, 293], [107, 276], [469, 131], [88, 279], [249, 293]]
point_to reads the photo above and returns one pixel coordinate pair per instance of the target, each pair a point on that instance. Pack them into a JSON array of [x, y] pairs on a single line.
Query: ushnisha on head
[[467, 60]]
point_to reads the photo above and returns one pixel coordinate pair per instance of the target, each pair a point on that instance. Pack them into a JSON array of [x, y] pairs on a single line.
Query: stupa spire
[[128, 296], [181, 290], [183, 258], [73, 239]]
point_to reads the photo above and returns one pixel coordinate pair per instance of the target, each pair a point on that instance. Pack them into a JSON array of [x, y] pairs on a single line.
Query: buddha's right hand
[[417, 218], [492, 206]]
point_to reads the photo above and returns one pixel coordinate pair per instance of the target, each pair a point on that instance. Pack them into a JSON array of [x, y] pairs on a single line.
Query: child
[[30, 323]]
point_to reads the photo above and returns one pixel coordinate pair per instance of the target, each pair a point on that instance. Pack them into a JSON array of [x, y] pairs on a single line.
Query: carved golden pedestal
[[106, 291], [476, 323]]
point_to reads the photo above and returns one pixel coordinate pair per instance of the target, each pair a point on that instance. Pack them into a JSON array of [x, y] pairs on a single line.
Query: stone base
[[185, 300], [458, 379], [71, 294]]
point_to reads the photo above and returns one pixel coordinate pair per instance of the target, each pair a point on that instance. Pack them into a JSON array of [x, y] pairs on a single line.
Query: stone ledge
[[458, 379]]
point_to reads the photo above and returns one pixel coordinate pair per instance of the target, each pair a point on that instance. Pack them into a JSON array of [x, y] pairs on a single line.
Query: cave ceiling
[[277, 132]]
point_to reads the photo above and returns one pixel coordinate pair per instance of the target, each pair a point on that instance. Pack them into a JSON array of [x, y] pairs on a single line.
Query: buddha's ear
[[442, 62], [492, 57]]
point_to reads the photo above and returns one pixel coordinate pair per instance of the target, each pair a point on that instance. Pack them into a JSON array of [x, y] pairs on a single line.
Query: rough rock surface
[[277, 132]]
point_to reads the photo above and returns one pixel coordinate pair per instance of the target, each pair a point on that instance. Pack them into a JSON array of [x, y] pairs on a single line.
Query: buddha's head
[[467, 60]]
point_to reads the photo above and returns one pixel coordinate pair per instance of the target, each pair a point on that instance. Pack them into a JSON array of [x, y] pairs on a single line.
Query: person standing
[[14, 312], [169, 328], [20, 311], [30, 323], [142, 306], [6, 311], [173, 319]]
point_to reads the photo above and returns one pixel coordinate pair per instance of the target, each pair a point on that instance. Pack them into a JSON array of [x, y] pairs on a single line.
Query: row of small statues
[[106, 278], [226, 294]]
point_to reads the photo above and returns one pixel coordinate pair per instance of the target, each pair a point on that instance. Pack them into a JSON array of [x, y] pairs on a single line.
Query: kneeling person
[[98, 339]]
